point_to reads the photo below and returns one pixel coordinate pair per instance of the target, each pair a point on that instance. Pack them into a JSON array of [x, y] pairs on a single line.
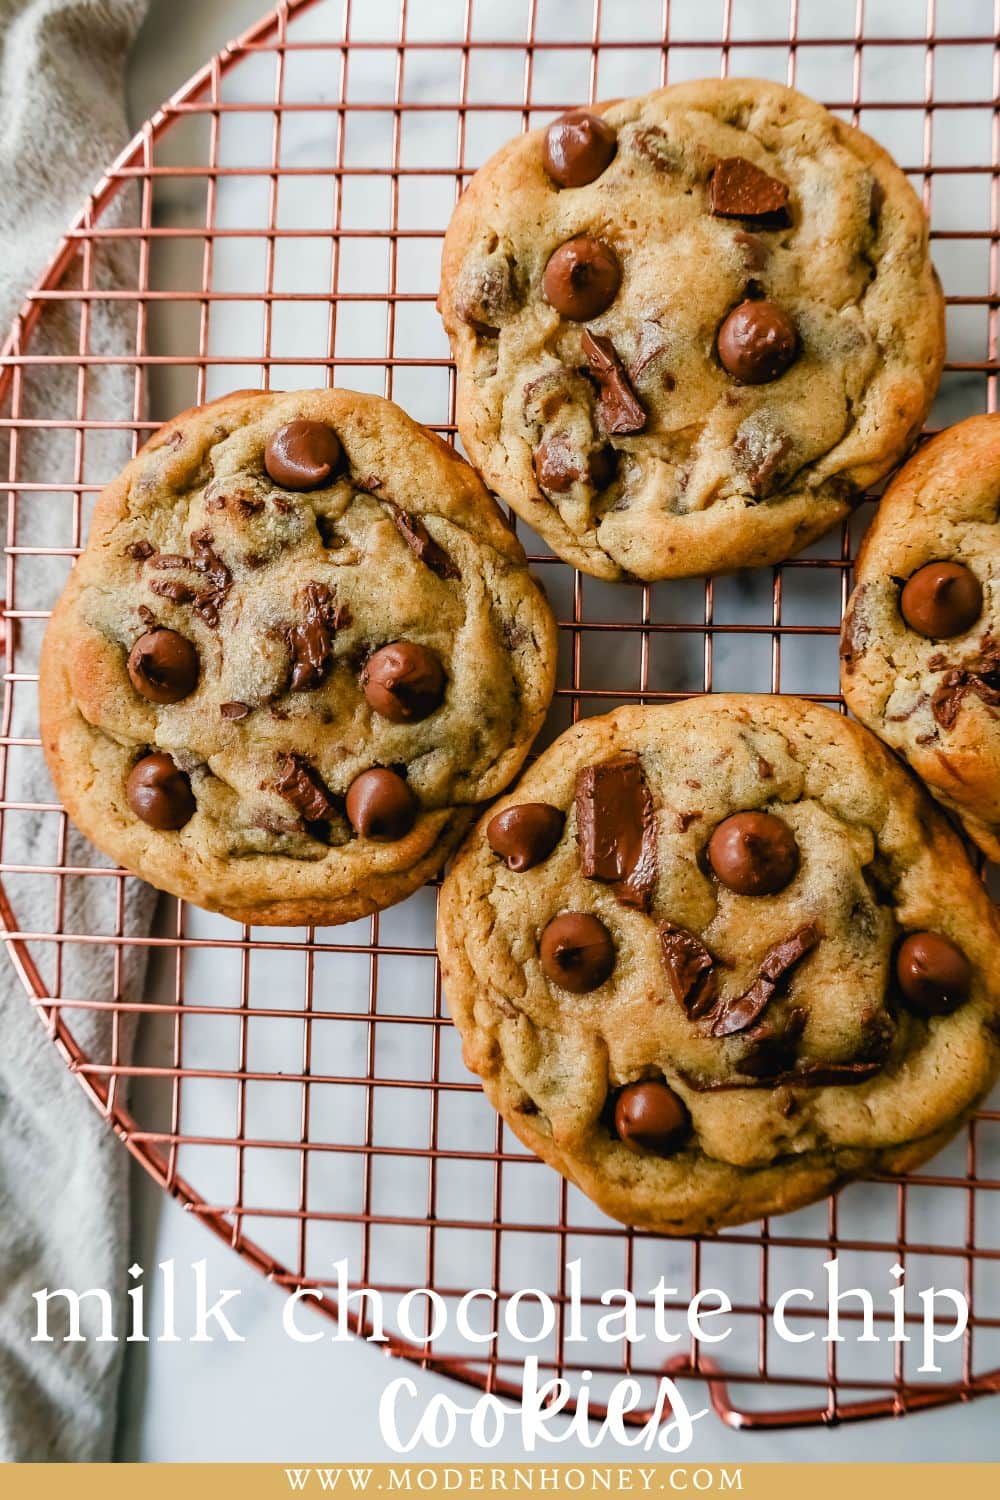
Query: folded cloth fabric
[[63, 1175]]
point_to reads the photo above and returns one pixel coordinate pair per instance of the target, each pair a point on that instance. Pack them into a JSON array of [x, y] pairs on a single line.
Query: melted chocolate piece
[[163, 666], [981, 677], [301, 785], [619, 409], [649, 1116], [139, 551], [380, 806], [311, 641], [234, 710], [616, 828], [576, 952], [159, 793], [419, 540], [525, 835], [691, 969], [757, 342], [739, 190], [302, 454], [739, 1012], [582, 278], [941, 599], [578, 147], [205, 561]]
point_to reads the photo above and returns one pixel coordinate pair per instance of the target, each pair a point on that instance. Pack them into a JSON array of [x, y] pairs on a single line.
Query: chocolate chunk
[[159, 793], [854, 633], [934, 974], [380, 806], [234, 710], [577, 952], [205, 561], [556, 463], [981, 677], [279, 826], [618, 407], [738, 1012], [739, 190], [616, 828], [163, 666], [649, 1116], [578, 147], [942, 599], [650, 345], [139, 551], [754, 251], [487, 291], [691, 969], [404, 682], [302, 454], [311, 641], [772, 1051], [582, 278], [525, 835], [807, 1074], [818, 1074], [757, 342], [301, 785], [419, 540], [760, 452], [754, 853]]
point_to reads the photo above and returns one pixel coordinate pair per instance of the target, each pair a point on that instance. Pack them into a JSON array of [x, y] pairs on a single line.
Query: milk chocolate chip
[[934, 975], [302, 455], [404, 682], [582, 278], [380, 805], [941, 599], [754, 853], [163, 666], [524, 836], [577, 952], [159, 793], [650, 1117], [739, 190], [757, 342], [578, 147]]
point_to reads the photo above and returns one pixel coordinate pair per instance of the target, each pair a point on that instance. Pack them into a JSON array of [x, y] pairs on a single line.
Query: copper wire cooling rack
[[278, 223]]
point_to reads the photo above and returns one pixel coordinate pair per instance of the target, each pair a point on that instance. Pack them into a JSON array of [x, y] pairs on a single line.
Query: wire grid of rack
[[278, 223]]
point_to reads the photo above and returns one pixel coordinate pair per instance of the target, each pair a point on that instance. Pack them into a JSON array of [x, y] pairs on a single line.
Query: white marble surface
[[270, 1399]]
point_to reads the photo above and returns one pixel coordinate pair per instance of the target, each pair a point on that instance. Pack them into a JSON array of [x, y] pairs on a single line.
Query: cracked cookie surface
[[694, 346], [741, 960], [301, 645], [920, 648]]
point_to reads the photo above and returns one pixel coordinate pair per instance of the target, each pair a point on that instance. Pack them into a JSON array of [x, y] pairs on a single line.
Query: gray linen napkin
[[63, 1175]]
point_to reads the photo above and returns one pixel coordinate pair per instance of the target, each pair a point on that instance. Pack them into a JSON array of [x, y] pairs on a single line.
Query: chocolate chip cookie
[[920, 648], [690, 328], [300, 647], [714, 959]]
